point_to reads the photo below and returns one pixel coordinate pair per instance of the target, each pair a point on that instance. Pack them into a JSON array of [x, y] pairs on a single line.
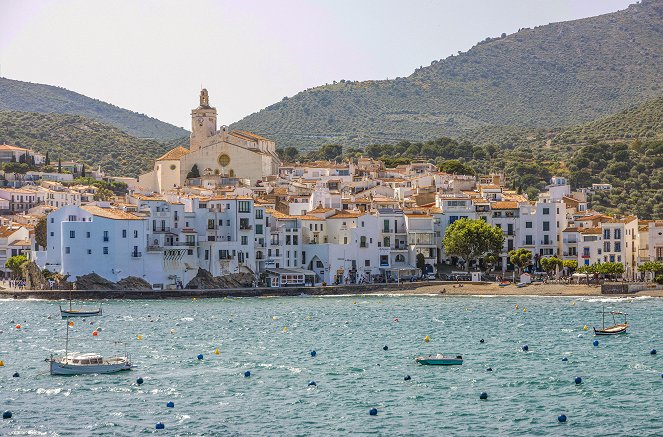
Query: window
[[606, 234], [618, 246], [528, 240], [244, 224], [105, 251], [245, 240], [124, 233], [106, 236], [72, 234], [362, 224], [546, 226], [546, 211], [51, 217], [89, 251], [52, 234], [87, 235], [319, 265], [67, 250], [288, 239], [528, 225], [206, 255], [362, 242], [618, 234], [345, 240], [606, 246], [244, 206], [367, 263], [295, 240], [259, 229], [585, 251], [210, 224], [259, 214], [136, 234]]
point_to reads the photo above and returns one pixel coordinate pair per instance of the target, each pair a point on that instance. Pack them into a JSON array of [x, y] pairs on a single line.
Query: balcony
[[106, 239], [161, 229], [246, 227], [136, 254], [154, 248]]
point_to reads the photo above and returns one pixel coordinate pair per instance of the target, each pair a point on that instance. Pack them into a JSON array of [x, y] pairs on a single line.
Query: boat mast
[[66, 344], [603, 316]]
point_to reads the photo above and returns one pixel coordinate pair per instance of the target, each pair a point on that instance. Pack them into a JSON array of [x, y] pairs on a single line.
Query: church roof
[[248, 135], [174, 154]]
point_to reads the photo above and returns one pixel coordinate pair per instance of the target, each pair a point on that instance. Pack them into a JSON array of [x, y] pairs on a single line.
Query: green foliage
[[194, 172], [570, 264], [550, 264], [472, 239], [421, 262], [118, 188], [14, 264], [560, 74], [15, 167], [40, 232], [33, 97], [659, 279], [79, 139], [454, 166], [520, 258], [651, 266], [104, 194]]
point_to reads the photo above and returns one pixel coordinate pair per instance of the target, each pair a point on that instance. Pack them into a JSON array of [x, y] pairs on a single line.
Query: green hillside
[[561, 74], [72, 137], [33, 97], [644, 122]]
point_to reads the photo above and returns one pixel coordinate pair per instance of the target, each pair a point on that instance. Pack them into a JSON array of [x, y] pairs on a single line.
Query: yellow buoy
[[585, 328], [427, 339], [516, 306], [308, 317], [524, 310], [285, 329], [354, 303], [216, 351], [139, 337], [2, 363], [194, 298]]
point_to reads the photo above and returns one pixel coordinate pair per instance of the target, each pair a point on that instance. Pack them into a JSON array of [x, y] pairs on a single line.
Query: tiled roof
[[248, 135], [13, 148], [110, 213], [596, 231], [174, 154], [504, 205], [345, 214]]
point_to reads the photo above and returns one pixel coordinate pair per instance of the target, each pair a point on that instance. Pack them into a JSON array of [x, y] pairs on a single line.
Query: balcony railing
[[136, 254], [161, 229], [245, 227]]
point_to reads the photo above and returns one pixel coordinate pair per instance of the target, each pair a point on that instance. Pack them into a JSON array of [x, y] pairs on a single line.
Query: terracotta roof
[[21, 243], [592, 217], [321, 209], [144, 197], [14, 148], [345, 214], [597, 231], [248, 135], [279, 215], [311, 217], [570, 200], [504, 205], [174, 154], [110, 213], [571, 229], [6, 231]]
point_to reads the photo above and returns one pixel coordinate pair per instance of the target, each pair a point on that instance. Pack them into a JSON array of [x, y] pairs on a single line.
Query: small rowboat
[[440, 360], [80, 313], [504, 283], [616, 328]]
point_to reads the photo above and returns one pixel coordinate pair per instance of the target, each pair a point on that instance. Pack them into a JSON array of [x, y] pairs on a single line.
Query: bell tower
[[203, 122]]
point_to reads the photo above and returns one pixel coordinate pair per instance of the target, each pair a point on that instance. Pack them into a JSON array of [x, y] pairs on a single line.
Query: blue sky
[[153, 56]]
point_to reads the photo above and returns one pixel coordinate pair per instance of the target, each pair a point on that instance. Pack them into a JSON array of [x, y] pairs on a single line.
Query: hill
[[33, 97], [560, 74], [644, 122], [72, 137]]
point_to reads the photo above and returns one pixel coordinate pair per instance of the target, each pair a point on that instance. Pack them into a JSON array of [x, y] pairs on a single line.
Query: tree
[[104, 194], [653, 267], [550, 264], [194, 172], [471, 239], [520, 258], [570, 264], [14, 264], [40, 232], [59, 165], [454, 166], [421, 263], [47, 159], [83, 171]]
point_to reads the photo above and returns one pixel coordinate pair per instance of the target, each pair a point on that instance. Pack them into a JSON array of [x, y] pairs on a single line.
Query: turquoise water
[[620, 395]]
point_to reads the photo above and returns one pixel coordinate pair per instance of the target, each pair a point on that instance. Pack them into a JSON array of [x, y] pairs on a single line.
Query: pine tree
[[59, 165], [47, 160], [83, 171]]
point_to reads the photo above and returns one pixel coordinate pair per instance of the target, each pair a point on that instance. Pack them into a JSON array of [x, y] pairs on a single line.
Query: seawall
[[211, 293]]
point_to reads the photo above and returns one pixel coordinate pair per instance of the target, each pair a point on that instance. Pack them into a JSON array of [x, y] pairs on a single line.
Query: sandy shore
[[511, 290]]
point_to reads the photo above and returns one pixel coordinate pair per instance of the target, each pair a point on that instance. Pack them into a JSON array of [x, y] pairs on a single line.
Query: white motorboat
[[440, 360], [82, 364]]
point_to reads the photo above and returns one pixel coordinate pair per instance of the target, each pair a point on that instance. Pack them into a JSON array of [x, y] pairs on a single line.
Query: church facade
[[228, 154]]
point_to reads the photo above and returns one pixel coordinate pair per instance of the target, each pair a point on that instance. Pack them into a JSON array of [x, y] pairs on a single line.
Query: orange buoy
[[71, 323], [18, 326], [95, 333]]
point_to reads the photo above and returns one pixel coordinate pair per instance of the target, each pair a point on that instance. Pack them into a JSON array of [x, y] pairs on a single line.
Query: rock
[[133, 283], [92, 281], [34, 278], [205, 281]]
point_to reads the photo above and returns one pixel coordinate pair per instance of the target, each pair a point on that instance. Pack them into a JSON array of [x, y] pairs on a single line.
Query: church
[[238, 155]]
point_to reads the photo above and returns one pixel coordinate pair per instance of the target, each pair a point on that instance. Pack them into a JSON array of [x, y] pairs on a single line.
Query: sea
[[365, 348]]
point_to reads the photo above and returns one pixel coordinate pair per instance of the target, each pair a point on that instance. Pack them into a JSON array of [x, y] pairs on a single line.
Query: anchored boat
[[616, 328], [86, 363], [440, 360]]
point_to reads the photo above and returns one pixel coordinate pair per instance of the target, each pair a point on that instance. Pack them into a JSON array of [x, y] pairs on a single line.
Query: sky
[[153, 56]]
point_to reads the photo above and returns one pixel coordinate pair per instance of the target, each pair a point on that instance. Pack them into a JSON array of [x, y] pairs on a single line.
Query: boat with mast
[[66, 313], [74, 363], [615, 328]]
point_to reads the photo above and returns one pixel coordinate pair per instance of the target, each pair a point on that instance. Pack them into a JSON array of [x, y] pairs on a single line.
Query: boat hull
[[432, 361], [58, 368], [612, 330], [76, 313]]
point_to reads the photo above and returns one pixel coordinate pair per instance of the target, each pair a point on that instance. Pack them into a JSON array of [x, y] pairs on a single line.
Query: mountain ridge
[[20, 96]]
